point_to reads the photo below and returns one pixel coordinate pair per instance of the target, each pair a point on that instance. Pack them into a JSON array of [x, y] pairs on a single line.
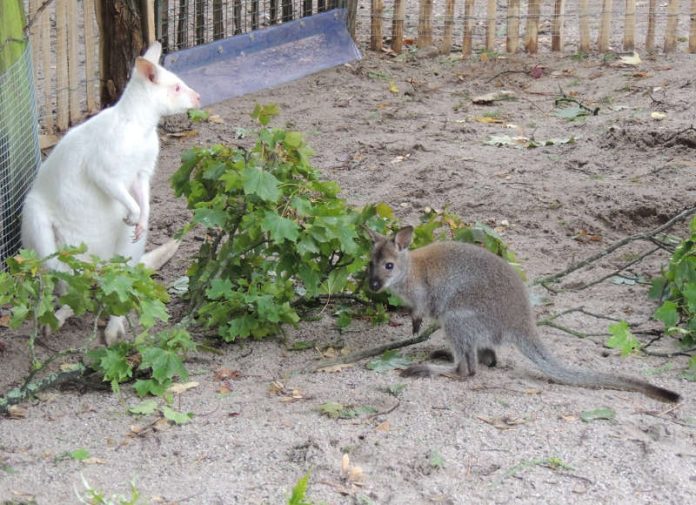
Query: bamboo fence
[[65, 37]]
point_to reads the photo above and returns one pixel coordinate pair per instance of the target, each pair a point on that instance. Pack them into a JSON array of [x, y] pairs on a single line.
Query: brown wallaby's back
[[480, 302]]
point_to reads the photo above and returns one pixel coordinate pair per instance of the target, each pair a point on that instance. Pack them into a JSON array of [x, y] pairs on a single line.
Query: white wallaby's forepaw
[[115, 330]]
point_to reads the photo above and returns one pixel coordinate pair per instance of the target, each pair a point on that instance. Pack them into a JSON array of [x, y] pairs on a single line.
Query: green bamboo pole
[[12, 39]]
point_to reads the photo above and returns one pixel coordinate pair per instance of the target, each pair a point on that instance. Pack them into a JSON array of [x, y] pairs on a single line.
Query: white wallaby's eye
[[389, 265], [178, 88]]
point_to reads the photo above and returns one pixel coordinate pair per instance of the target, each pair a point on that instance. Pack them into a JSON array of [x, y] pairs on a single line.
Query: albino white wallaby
[[480, 302], [94, 187]]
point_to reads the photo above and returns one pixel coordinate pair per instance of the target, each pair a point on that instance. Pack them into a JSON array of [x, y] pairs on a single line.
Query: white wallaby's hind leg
[[159, 256], [155, 259]]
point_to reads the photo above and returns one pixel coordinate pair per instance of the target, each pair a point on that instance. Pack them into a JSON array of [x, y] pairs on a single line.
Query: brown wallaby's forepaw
[[416, 324], [417, 371]]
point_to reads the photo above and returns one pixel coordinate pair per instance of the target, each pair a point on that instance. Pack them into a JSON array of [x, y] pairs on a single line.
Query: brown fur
[[480, 302]]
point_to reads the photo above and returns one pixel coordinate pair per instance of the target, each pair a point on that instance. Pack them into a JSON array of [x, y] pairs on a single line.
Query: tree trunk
[[121, 30]]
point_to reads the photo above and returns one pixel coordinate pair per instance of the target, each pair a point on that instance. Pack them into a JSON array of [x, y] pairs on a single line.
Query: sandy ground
[[506, 435]]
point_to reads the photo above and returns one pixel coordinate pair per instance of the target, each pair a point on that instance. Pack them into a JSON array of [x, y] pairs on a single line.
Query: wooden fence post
[[671, 27], [425, 24], [531, 43], [62, 103], [490, 25], [466, 38], [629, 26], [604, 27], [376, 25], [584, 27], [513, 26], [692, 28], [449, 27], [73, 64], [398, 25], [90, 53], [650, 35], [557, 25]]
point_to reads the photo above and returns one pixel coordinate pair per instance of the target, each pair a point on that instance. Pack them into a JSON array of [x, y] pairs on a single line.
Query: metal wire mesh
[[19, 149], [187, 23]]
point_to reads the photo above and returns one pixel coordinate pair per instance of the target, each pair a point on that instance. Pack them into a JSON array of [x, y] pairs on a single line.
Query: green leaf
[[264, 113], [115, 366], [667, 313], [331, 409], [198, 115], [299, 491], [144, 408], [396, 389], [165, 364], [79, 454], [261, 183], [220, 289], [301, 345], [280, 228], [602, 413], [390, 360], [622, 338], [151, 311], [436, 460], [176, 417], [144, 387], [293, 139], [210, 218]]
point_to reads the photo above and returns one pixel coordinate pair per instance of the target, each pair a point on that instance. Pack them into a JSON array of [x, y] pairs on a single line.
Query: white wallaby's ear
[[403, 238], [146, 69], [374, 236], [153, 52]]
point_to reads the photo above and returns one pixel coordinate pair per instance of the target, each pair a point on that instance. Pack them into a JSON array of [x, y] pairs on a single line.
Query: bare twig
[[639, 236], [375, 351], [619, 270]]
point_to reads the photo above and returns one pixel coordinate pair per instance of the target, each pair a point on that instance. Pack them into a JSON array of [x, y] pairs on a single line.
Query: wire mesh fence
[[19, 149]]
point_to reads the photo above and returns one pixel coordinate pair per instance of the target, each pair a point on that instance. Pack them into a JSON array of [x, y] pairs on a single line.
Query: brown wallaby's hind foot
[[487, 357]]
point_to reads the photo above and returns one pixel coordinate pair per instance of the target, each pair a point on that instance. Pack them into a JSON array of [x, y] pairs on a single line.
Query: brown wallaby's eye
[[389, 265]]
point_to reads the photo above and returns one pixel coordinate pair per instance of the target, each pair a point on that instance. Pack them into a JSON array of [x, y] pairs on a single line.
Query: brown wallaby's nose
[[375, 284]]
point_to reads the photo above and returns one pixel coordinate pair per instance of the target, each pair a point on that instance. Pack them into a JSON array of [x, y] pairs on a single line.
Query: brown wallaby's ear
[[403, 238], [376, 237], [146, 69]]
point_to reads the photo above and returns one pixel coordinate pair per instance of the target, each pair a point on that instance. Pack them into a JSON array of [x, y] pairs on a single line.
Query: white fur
[[94, 187]]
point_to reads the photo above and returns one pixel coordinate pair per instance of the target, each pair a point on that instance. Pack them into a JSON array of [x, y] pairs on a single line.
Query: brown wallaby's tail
[[156, 258], [533, 348]]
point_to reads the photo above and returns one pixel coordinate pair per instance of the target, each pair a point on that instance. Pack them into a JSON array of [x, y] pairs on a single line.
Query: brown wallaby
[[480, 302]]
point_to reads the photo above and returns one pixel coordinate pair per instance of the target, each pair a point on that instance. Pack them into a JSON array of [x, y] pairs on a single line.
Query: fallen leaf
[[383, 427], [495, 96], [276, 387], [393, 88], [5, 321], [226, 373], [94, 461], [179, 388], [215, 118], [335, 368], [632, 59], [605, 413], [224, 389], [17, 412], [183, 134], [488, 120], [658, 116], [162, 424]]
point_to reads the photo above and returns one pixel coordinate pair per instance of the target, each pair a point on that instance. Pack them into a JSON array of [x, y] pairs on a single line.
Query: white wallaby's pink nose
[[195, 98]]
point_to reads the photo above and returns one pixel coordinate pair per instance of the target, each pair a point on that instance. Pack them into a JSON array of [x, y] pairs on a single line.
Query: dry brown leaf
[[488, 119], [335, 368], [183, 134], [16, 412], [276, 387], [215, 118], [383, 427], [94, 461], [224, 389], [5, 321], [226, 373], [179, 388], [161, 424]]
